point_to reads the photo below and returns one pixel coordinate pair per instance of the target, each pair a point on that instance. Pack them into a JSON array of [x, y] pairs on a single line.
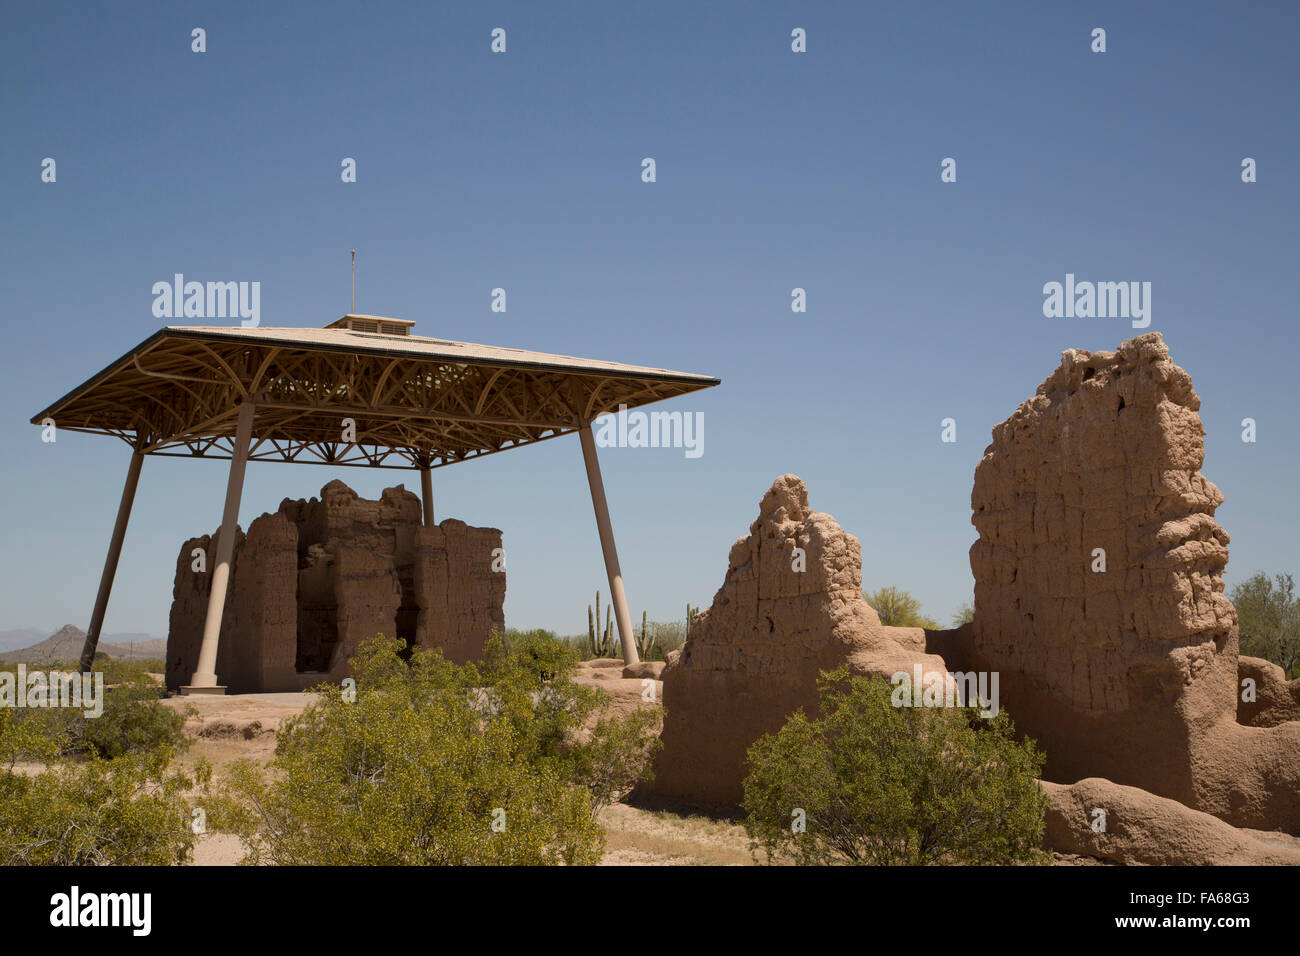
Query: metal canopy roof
[[416, 402]]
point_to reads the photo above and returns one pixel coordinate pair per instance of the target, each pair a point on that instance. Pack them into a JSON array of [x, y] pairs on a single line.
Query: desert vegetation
[[428, 762], [654, 639], [867, 782], [410, 761], [133, 719], [897, 608], [97, 791], [1268, 616]]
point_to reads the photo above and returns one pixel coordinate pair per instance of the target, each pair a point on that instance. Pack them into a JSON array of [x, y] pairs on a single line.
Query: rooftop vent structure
[[373, 324]]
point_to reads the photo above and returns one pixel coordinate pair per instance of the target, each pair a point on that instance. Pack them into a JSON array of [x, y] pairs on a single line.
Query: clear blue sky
[[775, 170]]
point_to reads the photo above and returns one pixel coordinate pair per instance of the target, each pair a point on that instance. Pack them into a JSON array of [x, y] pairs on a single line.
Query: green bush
[[668, 636], [1268, 616], [897, 608], [880, 784], [134, 719], [125, 812], [426, 762], [568, 724], [616, 754], [539, 651]]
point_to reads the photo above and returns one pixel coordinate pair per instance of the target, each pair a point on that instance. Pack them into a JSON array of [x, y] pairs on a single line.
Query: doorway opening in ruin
[[317, 639], [408, 612], [318, 613]]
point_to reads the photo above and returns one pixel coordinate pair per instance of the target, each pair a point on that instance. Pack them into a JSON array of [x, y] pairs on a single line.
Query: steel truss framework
[[178, 394]]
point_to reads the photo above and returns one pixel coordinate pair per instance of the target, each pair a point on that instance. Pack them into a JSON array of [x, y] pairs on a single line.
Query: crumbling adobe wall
[[368, 591], [1127, 673], [386, 526], [257, 646], [190, 590], [459, 594], [315, 579], [258, 627], [1276, 700], [754, 656]]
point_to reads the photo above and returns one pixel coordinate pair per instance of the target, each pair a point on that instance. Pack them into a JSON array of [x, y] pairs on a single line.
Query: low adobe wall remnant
[[754, 656], [1273, 699]]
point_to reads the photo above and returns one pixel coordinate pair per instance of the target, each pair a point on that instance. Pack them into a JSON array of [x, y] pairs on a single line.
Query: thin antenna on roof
[[353, 310]]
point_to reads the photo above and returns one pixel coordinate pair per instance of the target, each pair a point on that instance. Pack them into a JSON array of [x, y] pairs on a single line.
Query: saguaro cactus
[[645, 645], [601, 639]]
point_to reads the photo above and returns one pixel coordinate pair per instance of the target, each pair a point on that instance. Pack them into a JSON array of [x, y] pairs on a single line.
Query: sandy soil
[[237, 725]]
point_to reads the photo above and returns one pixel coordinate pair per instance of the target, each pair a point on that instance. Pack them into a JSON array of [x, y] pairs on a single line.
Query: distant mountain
[[130, 638], [66, 643], [146, 646], [20, 638]]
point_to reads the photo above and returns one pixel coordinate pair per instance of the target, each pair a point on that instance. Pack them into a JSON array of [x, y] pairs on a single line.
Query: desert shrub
[[897, 608], [880, 784], [668, 636], [24, 741], [965, 614], [125, 812], [1268, 616], [539, 651], [616, 754], [567, 724], [426, 762], [134, 719]]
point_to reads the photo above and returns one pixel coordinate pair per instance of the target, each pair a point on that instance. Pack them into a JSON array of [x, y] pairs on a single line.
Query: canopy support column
[[426, 492], [204, 680], [110, 562], [606, 530]]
